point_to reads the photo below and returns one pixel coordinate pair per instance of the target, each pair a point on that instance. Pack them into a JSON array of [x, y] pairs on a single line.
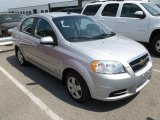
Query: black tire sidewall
[[85, 91], [1, 35], [24, 61], [153, 44]]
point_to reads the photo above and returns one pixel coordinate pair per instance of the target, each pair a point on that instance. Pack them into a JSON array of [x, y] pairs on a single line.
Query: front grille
[[118, 93], [139, 63]]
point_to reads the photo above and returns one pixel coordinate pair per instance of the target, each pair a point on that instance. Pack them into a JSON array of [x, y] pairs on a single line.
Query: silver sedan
[[92, 61]]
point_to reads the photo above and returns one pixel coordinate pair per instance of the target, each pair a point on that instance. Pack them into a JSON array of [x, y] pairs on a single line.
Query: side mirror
[[47, 41], [140, 14], [11, 30]]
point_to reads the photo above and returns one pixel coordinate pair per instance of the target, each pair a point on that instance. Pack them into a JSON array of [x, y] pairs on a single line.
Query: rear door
[[131, 26], [108, 15], [91, 10], [25, 37]]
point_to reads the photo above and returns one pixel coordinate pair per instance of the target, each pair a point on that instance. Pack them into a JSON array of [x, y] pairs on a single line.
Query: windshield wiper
[[157, 14], [101, 36], [79, 38]]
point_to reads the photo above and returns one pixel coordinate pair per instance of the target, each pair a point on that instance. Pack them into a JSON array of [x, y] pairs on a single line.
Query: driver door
[[131, 26]]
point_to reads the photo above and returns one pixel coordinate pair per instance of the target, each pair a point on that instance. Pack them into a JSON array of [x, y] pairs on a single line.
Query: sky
[[5, 4]]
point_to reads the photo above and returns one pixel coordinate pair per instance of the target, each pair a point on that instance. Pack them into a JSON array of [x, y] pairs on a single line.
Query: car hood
[[116, 48], [9, 25]]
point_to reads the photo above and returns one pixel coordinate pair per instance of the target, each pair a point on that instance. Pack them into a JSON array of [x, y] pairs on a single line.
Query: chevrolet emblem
[[142, 62]]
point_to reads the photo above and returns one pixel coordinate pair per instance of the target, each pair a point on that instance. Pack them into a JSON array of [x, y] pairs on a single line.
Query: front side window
[[27, 26], [91, 9], [110, 10], [43, 29], [81, 28], [129, 10]]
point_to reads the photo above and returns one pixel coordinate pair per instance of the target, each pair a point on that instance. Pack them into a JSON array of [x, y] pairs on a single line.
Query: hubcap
[[74, 88], [20, 57], [158, 45]]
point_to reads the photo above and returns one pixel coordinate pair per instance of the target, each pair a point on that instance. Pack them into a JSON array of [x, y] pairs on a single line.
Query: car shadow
[[55, 87], [149, 118]]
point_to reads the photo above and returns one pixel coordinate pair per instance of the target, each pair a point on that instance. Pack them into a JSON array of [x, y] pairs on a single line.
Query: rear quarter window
[[26, 26], [91, 9]]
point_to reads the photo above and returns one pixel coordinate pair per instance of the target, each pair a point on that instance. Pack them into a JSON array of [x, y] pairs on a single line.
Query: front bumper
[[120, 86]]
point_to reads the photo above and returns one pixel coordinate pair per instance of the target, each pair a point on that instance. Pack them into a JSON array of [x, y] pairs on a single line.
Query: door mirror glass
[[140, 14], [47, 41]]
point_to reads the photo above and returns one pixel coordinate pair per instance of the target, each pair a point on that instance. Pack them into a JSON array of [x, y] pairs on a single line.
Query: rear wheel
[[1, 34], [20, 57], [77, 87]]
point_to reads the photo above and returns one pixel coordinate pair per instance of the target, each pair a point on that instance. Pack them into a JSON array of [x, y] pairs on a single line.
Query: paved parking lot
[[28, 93]]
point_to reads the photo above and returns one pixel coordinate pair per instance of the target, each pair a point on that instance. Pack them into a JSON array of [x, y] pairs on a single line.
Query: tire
[[77, 87], [155, 45], [1, 34], [21, 58]]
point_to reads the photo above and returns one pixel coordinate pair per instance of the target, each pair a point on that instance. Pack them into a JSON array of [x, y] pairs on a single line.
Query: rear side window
[[110, 10], [27, 26], [91, 9], [129, 10]]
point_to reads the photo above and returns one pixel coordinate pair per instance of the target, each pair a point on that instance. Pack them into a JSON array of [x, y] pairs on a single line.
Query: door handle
[[34, 44], [121, 21], [101, 19], [17, 36]]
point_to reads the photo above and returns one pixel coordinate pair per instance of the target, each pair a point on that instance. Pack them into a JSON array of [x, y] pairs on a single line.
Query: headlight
[[107, 67]]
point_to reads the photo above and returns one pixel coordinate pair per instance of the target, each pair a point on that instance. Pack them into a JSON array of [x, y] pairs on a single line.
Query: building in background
[[30, 9], [47, 7], [69, 4], [52, 7]]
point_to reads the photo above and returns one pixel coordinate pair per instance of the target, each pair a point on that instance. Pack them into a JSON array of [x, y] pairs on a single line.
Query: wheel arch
[[80, 68], [64, 74], [154, 34]]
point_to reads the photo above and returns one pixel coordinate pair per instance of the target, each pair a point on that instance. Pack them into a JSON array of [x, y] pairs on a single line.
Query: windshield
[[151, 8], [6, 18], [81, 28]]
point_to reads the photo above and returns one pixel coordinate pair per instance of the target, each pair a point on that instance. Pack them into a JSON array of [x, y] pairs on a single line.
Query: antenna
[[68, 12]]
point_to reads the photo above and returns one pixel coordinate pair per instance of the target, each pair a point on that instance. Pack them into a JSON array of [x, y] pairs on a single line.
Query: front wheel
[[155, 45], [77, 87]]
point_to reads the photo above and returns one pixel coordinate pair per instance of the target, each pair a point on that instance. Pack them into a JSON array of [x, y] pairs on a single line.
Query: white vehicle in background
[[138, 20]]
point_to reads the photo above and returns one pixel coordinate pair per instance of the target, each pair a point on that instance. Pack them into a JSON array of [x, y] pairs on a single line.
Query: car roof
[[9, 14], [105, 2], [56, 14]]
